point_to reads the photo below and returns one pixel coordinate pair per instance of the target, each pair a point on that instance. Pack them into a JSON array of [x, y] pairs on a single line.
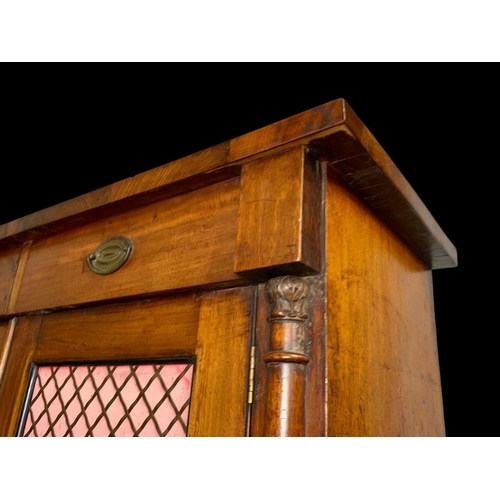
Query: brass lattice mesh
[[122, 400]]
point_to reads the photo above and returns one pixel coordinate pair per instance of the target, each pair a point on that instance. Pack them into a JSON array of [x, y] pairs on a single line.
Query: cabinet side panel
[[383, 369]]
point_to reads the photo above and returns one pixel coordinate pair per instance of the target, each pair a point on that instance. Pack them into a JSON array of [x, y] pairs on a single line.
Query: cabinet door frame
[[215, 328]]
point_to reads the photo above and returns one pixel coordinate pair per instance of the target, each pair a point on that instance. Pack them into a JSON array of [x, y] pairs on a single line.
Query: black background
[[66, 134]]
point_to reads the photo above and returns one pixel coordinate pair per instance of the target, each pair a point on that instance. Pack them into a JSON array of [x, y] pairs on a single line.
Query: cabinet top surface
[[331, 133]]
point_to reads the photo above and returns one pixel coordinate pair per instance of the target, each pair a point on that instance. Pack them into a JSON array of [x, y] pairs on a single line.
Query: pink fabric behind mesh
[[107, 400]]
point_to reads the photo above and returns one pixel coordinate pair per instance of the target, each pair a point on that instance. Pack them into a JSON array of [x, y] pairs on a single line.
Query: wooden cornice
[[332, 134]]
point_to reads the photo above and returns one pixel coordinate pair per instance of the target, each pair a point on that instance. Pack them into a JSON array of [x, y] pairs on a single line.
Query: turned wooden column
[[286, 360]]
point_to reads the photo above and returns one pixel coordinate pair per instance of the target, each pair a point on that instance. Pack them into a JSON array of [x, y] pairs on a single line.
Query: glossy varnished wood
[[277, 221], [141, 330], [262, 312], [314, 371], [182, 242], [383, 372], [293, 131], [9, 259], [220, 387], [16, 284], [15, 377], [285, 410], [332, 133], [287, 358], [214, 329], [208, 230], [159, 183], [315, 398], [377, 181], [6, 334]]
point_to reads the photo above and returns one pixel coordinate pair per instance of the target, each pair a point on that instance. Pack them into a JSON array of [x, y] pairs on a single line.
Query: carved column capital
[[287, 358], [287, 296]]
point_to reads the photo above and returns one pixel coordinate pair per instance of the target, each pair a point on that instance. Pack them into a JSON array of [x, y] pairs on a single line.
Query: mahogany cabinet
[[292, 267]]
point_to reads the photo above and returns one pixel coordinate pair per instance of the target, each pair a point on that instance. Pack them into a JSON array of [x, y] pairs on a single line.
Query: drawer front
[[180, 243]]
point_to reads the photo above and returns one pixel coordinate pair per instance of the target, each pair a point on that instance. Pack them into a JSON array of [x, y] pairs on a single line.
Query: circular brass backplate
[[110, 255]]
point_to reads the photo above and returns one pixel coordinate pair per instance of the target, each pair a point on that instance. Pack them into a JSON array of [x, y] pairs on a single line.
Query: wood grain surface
[[142, 330], [9, 259], [278, 230], [295, 130], [15, 378], [287, 358], [383, 370], [331, 133], [314, 372], [182, 242], [379, 183], [6, 334], [142, 188], [19, 273], [219, 402]]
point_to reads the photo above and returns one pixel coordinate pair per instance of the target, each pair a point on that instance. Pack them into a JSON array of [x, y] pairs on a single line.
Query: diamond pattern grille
[[121, 400]]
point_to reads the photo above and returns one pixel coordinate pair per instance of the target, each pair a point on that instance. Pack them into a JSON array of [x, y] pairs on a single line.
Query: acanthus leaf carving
[[287, 296]]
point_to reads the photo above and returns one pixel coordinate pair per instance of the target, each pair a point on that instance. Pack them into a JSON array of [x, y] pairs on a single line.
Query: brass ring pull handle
[[110, 255]]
